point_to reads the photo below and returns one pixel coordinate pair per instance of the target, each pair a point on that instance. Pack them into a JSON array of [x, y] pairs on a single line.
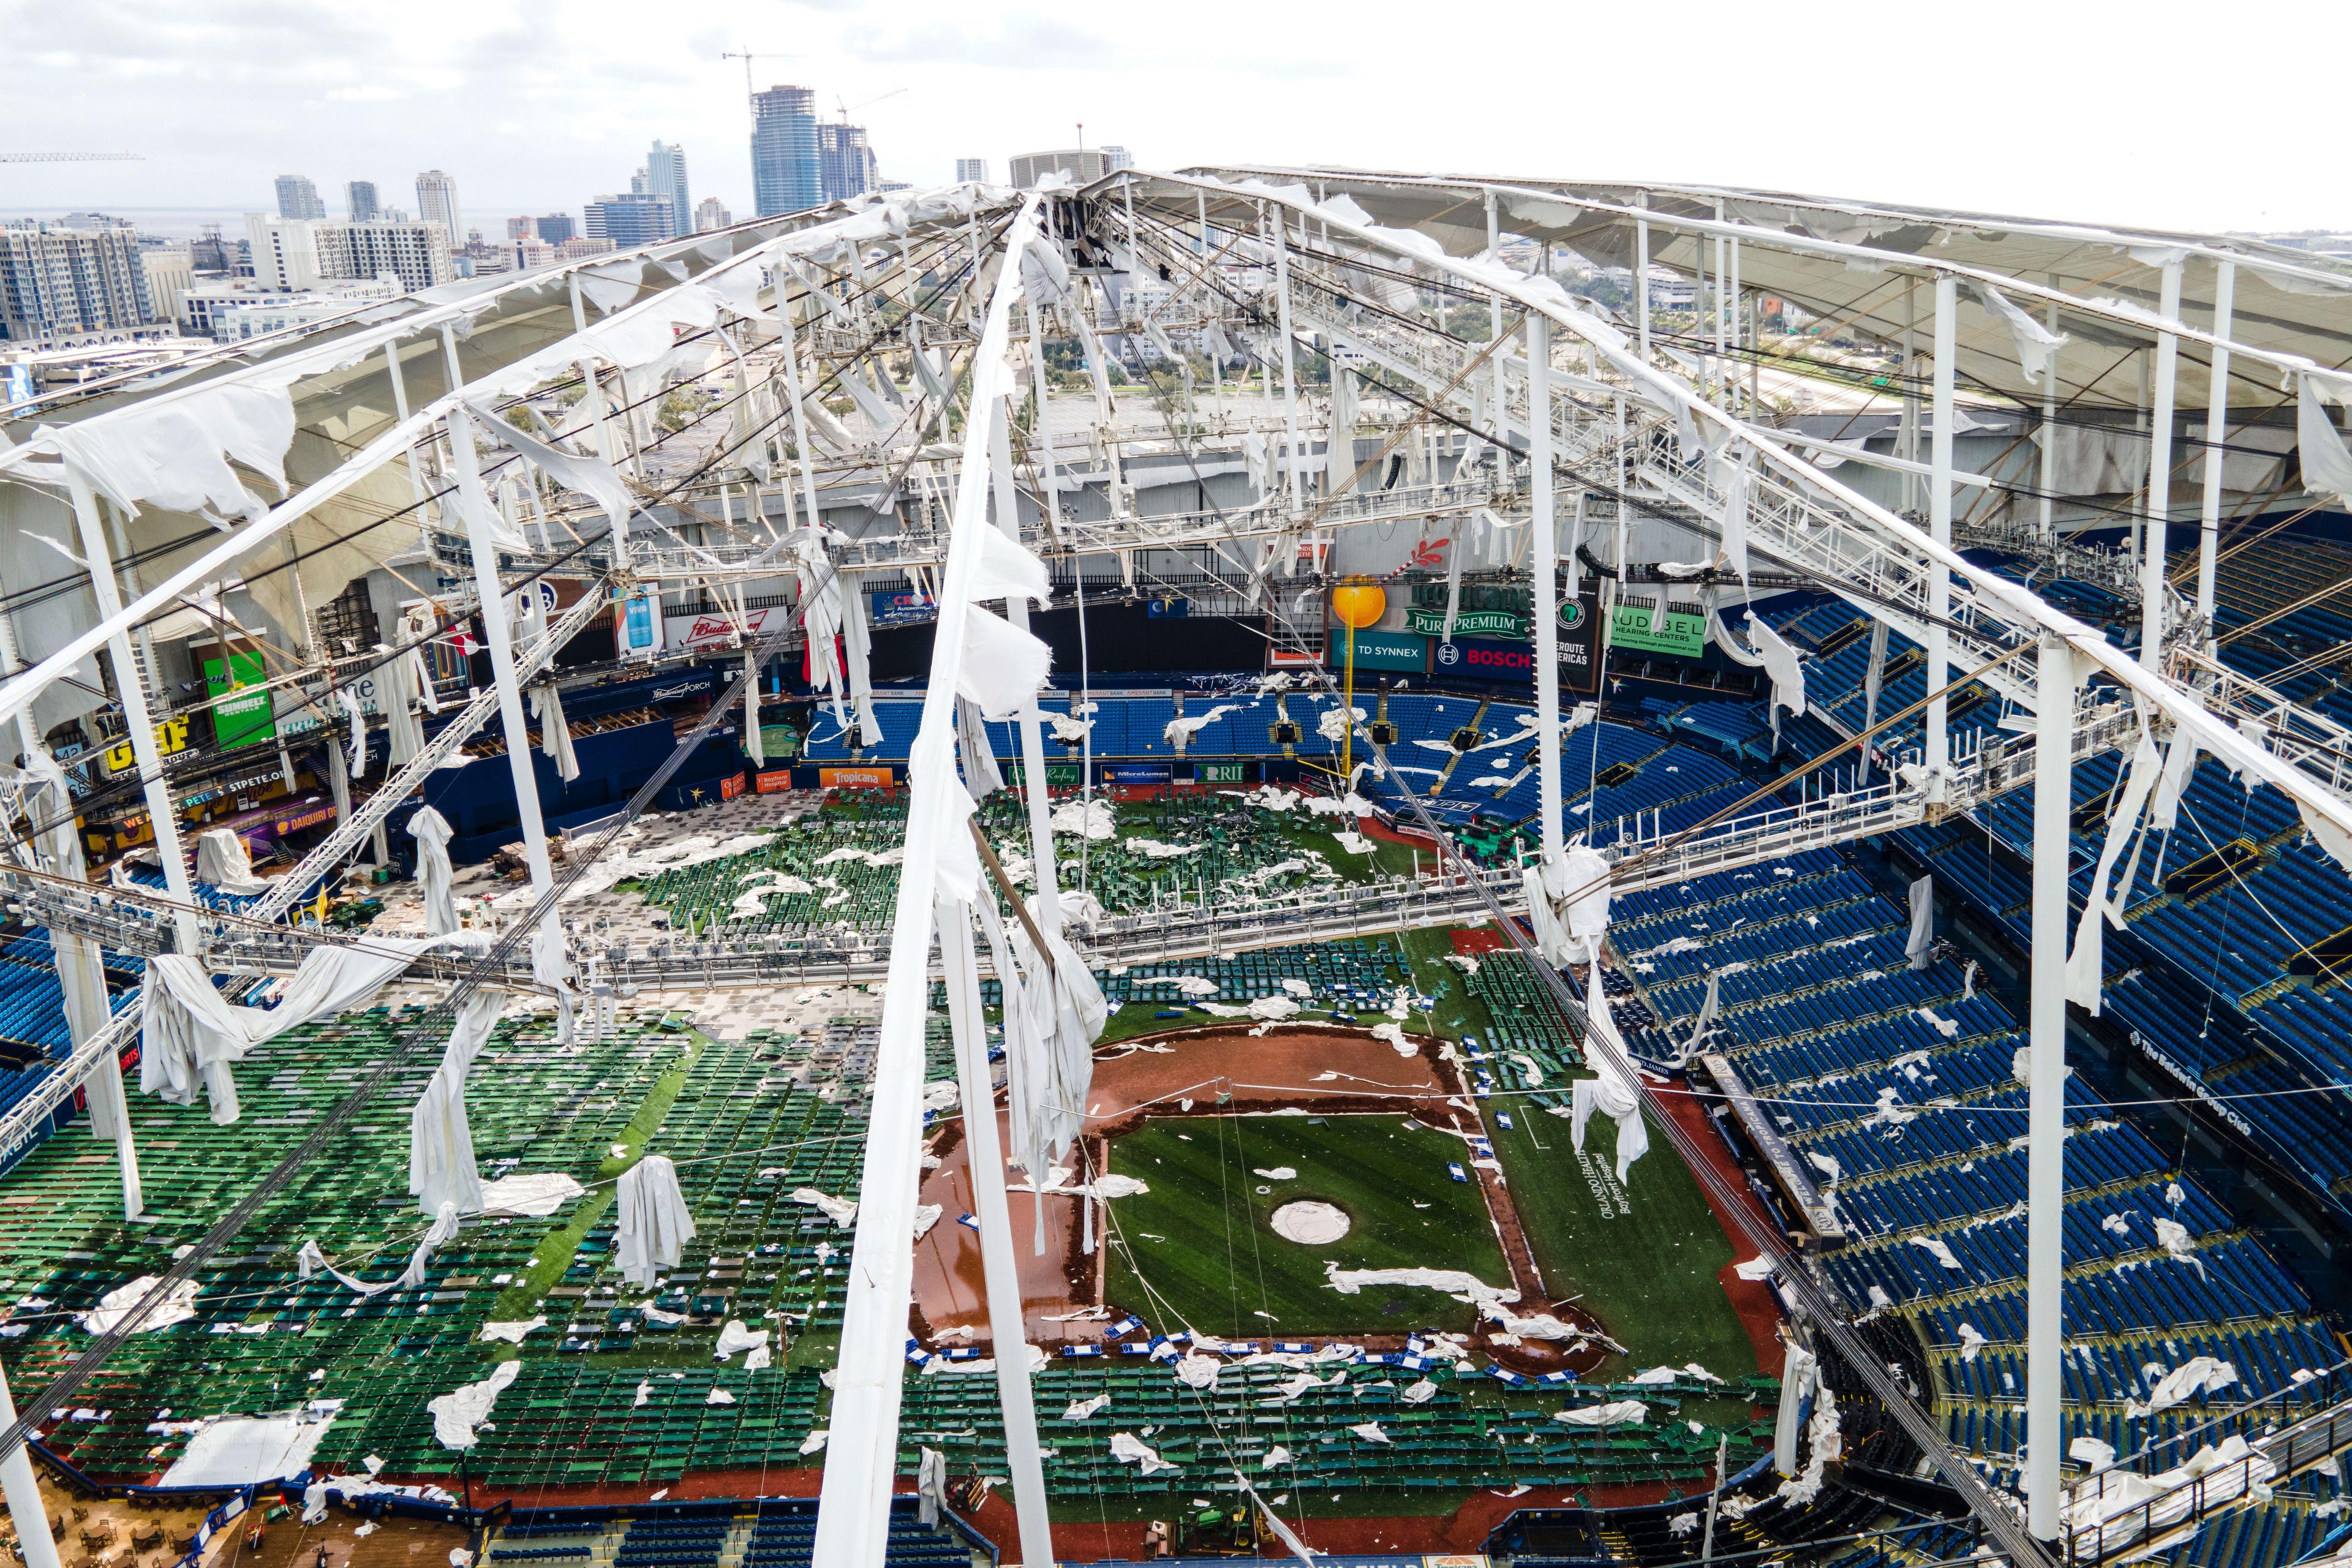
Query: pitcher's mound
[[1310, 1224]]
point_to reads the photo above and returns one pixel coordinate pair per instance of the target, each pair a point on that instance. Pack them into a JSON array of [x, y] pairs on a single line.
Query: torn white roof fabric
[[655, 1225]]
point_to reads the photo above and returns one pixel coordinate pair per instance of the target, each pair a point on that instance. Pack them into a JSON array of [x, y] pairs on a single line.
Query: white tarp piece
[[308, 1260], [1783, 664], [1796, 1382], [2086, 961], [1616, 1413], [2110, 1509], [1051, 1023], [843, 1211], [2036, 345], [457, 1415], [654, 1226], [530, 1194], [1310, 1224], [223, 859], [1178, 732], [1611, 1093], [1568, 905], [402, 683], [555, 730], [2197, 1375], [248, 1450], [1923, 923], [114, 1307], [2326, 464], [1129, 1449], [432, 832], [441, 1168], [190, 1033], [1273, 1522]]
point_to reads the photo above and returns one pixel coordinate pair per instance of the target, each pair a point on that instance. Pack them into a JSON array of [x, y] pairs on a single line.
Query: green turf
[[1202, 1243], [1648, 1272]]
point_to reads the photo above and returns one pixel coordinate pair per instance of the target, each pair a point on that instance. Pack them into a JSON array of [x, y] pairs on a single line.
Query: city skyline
[[527, 114]]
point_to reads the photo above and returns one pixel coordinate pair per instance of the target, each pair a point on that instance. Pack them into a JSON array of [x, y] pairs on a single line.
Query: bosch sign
[[1482, 658]]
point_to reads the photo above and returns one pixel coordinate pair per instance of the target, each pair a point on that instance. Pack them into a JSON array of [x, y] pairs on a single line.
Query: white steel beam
[[2045, 1180], [2217, 431], [2155, 590], [1544, 570]]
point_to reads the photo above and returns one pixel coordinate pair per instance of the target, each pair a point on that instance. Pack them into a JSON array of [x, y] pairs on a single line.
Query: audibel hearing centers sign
[[1378, 650], [1659, 628]]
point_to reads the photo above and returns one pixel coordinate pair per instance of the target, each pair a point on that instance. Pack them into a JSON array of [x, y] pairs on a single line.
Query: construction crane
[[845, 110], [747, 57], [72, 157]]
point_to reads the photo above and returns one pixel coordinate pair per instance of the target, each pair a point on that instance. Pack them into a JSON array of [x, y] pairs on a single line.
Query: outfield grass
[[1648, 1272], [1202, 1242]]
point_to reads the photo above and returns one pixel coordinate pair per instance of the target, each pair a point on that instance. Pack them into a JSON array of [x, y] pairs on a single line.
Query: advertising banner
[[702, 634], [1679, 630], [899, 605], [854, 778], [1376, 649]]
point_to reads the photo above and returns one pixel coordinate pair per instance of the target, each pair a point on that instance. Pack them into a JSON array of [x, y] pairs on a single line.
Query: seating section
[[1899, 1092]]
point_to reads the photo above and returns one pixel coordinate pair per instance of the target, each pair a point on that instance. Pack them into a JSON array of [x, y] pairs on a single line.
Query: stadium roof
[[1853, 264]]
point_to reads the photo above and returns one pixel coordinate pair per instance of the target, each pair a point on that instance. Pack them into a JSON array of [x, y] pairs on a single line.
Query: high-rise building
[[529, 251], [709, 215], [972, 169], [557, 227], [786, 176], [636, 218], [417, 253], [666, 176], [170, 269], [361, 200], [1116, 157], [285, 251], [60, 286], [845, 161], [579, 248], [522, 229], [436, 202], [299, 199], [1081, 164]]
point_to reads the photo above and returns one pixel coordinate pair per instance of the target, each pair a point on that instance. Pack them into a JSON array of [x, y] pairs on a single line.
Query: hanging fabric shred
[[432, 832], [441, 1167], [1923, 923], [1612, 1093], [190, 1034], [1568, 905], [655, 1225], [2086, 961], [555, 730], [2326, 464], [981, 774], [2037, 345], [223, 860], [350, 702], [403, 676], [755, 744], [1872, 679]]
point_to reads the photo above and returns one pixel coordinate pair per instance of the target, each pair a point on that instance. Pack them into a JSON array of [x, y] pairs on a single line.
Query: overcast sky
[[2065, 109]]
